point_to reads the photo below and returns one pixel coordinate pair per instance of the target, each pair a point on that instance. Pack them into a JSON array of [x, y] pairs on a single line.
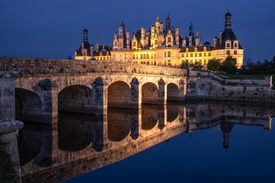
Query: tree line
[[229, 65]]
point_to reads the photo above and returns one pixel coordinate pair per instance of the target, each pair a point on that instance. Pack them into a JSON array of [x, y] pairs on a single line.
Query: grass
[[252, 76]]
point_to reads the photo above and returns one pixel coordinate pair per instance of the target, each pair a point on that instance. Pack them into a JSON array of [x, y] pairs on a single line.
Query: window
[[103, 58], [201, 62], [205, 54], [228, 52], [169, 40], [182, 55], [156, 41], [191, 61], [134, 43], [137, 56], [169, 63], [147, 55], [165, 54], [141, 56], [200, 54], [195, 54], [191, 54], [115, 43], [235, 52], [204, 62], [169, 53], [236, 45], [133, 56], [186, 54], [209, 54], [228, 45], [152, 56]]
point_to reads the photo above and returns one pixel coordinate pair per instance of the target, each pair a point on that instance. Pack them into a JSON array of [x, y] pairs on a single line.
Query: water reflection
[[81, 143]]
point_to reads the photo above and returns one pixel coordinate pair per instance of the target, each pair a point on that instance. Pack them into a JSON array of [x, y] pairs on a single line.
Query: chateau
[[163, 46]]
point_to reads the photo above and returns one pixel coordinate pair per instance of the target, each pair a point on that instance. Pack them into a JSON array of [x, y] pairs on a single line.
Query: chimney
[[220, 37]]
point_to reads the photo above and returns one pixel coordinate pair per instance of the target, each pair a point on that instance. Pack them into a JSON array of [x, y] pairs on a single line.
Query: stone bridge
[[47, 86]]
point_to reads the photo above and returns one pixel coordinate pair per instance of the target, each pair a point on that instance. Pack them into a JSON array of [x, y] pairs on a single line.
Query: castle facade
[[164, 46]]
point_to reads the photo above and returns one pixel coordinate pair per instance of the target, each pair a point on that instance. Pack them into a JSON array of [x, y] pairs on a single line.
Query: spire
[[168, 23], [85, 35], [157, 17]]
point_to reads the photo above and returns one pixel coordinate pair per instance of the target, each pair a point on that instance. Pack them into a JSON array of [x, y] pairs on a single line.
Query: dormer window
[[134, 43], [169, 39], [228, 45]]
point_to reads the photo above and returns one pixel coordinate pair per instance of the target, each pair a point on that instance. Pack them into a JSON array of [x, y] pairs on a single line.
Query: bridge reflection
[[81, 143]]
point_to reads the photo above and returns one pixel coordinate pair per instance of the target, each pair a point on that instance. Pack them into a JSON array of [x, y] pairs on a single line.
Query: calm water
[[195, 142]]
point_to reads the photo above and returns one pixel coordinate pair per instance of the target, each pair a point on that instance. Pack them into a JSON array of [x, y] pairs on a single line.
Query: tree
[[184, 64], [229, 65], [69, 57], [197, 66], [214, 64]]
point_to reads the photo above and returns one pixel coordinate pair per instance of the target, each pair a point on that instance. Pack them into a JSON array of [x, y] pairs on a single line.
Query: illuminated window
[[235, 52], [186, 54], [134, 43], [141, 56], [204, 62], [200, 54], [137, 56], [152, 56], [228, 52], [169, 53], [191, 54], [133, 56], [228, 45], [195, 54], [209, 54], [103, 58], [201, 62], [205, 54], [169, 63], [236, 45], [169, 40], [182, 55], [165, 54], [191, 61], [147, 55], [115, 43], [156, 41]]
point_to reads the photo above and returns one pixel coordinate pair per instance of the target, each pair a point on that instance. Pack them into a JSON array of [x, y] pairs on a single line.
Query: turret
[[191, 30], [157, 25], [85, 35], [228, 20], [161, 27], [168, 23], [121, 30], [128, 39]]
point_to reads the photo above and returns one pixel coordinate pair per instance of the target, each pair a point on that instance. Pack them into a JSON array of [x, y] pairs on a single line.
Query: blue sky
[[53, 28]]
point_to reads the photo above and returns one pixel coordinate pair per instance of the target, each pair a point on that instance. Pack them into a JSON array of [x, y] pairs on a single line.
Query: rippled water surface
[[195, 142]]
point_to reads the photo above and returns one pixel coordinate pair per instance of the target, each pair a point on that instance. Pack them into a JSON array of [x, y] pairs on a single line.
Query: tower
[[85, 35], [228, 20], [168, 23], [226, 128]]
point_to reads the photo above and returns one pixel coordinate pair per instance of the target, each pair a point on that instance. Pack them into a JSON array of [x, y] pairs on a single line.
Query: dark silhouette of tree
[[214, 64], [229, 65]]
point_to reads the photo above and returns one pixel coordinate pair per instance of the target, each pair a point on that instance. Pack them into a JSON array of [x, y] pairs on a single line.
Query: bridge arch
[[119, 124], [150, 93], [76, 99], [172, 92], [150, 117], [27, 104], [119, 95]]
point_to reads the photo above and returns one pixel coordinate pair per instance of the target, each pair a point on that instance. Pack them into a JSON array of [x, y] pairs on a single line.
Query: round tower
[[228, 20]]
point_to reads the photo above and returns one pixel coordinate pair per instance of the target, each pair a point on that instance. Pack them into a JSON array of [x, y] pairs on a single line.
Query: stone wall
[[37, 67], [210, 86]]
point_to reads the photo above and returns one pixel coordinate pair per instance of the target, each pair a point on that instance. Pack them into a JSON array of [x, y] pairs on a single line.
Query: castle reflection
[[82, 143]]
